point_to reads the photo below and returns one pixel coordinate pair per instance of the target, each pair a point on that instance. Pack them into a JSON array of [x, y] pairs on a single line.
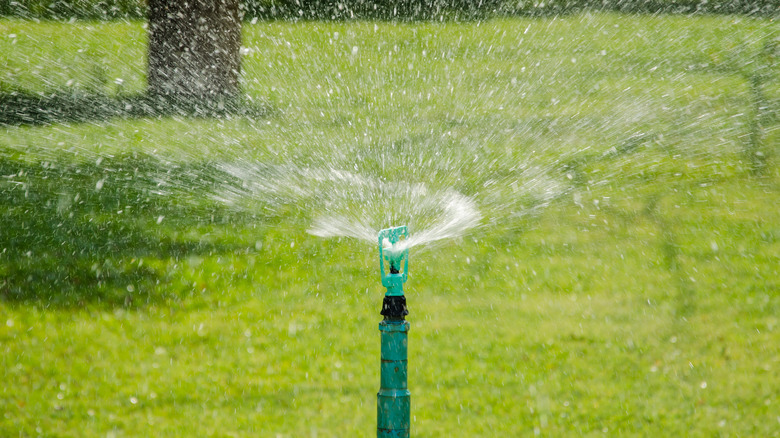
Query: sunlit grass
[[642, 301]]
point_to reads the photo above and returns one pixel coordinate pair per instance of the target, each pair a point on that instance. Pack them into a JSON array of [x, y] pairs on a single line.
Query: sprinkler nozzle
[[397, 258]]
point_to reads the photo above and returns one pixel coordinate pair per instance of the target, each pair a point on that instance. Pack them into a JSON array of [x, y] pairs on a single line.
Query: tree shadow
[[73, 234], [22, 107]]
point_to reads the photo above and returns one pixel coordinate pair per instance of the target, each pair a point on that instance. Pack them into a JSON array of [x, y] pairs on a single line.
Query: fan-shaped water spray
[[350, 204]]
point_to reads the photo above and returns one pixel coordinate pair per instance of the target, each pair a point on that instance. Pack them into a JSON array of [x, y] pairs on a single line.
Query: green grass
[[643, 301]]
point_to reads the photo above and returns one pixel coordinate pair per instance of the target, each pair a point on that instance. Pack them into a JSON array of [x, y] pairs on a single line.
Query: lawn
[[622, 279]]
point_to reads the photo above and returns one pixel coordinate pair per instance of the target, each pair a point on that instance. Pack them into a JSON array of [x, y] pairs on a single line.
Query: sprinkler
[[393, 407]]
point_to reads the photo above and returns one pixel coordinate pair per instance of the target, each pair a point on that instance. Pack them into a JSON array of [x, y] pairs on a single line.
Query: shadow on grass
[[28, 108], [73, 234]]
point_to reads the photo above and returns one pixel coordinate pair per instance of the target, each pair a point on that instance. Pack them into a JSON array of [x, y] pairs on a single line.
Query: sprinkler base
[[394, 307]]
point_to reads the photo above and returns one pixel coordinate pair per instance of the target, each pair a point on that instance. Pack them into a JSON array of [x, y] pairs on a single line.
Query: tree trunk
[[194, 50]]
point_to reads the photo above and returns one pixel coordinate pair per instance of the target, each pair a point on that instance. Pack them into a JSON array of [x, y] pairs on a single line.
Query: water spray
[[393, 399]]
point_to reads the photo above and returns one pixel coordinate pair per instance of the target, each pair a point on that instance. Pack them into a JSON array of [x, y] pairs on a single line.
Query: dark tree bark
[[194, 50]]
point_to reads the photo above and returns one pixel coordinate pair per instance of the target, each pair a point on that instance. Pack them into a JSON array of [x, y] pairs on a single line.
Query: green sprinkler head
[[396, 256]]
